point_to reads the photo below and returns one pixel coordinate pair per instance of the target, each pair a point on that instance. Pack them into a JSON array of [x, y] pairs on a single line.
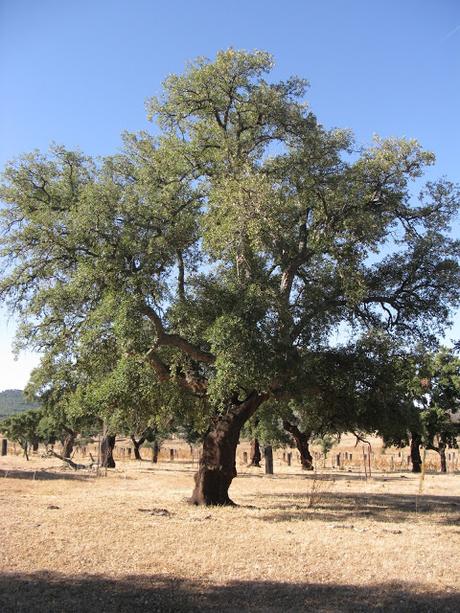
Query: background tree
[[22, 428], [267, 431], [428, 416], [131, 401], [437, 389], [54, 384], [229, 250]]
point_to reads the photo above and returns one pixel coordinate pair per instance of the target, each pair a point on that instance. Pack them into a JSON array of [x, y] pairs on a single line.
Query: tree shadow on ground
[[52, 592], [332, 476], [45, 475], [329, 506]]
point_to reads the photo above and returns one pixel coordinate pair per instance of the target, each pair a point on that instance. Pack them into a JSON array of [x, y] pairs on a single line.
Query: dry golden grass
[[130, 542]]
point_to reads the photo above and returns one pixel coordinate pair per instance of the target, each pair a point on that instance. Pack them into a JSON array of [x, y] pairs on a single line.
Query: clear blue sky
[[78, 72]]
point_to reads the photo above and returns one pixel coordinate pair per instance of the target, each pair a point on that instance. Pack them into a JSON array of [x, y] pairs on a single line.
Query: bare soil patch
[[297, 542]]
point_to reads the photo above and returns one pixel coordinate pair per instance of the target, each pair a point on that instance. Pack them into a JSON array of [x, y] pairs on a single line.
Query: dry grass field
[[128, 541]]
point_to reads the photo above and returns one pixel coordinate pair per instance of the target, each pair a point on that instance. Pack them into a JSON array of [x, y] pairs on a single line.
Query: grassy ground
[[130, 542]]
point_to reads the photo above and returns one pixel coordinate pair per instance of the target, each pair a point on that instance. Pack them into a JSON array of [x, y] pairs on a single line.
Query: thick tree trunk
[[255, 455], [268, 457], [137, 445], [415, 456], [442, 454], [217, 467], [301, 441], [67, 444], [107, 446]]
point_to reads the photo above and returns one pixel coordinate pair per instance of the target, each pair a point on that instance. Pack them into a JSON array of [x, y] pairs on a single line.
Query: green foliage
[[131, 401], [22, 428], [224, 255], [437, 389], [326, 442], [267, 427]]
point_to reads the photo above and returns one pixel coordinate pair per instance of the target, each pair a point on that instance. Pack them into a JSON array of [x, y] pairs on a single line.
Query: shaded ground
[[130, 542], [155, 593]]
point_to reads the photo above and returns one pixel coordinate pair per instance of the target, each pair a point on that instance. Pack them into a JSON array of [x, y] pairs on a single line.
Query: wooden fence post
[[268, 456]]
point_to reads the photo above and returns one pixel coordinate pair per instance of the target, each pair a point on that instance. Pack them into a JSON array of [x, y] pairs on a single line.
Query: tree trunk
[[301, 441], [442, 454], [137, 444], [415, 453], [268, 457], [67, 444], [107, 446], [4, 446], [254, 454], [155, 452], [25, 448], [217, 467]]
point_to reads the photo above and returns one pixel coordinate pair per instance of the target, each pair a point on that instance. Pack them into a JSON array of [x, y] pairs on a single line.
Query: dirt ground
[[129, 541]]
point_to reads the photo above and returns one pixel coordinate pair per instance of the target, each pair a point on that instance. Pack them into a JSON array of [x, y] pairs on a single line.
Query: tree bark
[[107, 446], [268, 457], [67, 444], [255, 455], [217, 467], [25, 448], [442, 454], [137, 444], [415, 453], [301, 441]]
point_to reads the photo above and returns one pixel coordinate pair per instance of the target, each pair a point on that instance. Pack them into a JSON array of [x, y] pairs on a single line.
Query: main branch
[[175, 340]]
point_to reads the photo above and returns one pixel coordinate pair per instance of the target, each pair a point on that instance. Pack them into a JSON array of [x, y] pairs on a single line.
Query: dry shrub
[[320, 486]]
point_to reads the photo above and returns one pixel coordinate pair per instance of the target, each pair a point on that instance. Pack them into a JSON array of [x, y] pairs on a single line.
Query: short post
[[171, 455], [289, 458], [369, 460], [268, 456], [245, 457], [365, 464]]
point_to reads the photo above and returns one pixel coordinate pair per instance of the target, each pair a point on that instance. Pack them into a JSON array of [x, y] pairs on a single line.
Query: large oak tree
[[228, 249]]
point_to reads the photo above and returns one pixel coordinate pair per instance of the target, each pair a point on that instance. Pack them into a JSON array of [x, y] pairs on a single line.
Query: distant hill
[[12, 402]]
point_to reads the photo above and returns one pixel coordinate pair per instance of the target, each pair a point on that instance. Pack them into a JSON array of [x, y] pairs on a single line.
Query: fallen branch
[[70, 462]]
